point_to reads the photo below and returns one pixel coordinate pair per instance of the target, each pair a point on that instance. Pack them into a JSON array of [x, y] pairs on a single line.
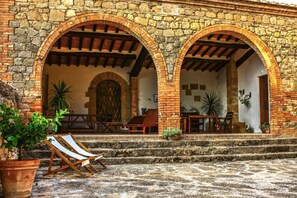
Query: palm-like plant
[[59, 99], [211, 104]]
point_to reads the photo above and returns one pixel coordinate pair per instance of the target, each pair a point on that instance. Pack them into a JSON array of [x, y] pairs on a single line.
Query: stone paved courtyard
[[264, 178]]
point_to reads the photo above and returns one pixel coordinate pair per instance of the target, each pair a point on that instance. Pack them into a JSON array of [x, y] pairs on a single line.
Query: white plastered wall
[[248, 80], [147, 87], [214, 81]]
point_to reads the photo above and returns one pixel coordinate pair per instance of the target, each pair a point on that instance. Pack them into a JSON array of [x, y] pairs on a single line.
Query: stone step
[[98, 137], [179, 151], [198, 158], [187, 159], [193, 149], [125, 144]]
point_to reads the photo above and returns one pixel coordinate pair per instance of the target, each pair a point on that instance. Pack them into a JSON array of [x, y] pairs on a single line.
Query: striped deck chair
[[72, 142], [66, 155]]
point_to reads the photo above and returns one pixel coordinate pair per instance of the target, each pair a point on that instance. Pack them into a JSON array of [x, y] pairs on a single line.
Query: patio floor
[[263, 178]]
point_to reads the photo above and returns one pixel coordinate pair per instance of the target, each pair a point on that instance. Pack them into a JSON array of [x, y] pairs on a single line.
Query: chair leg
[[102, 164]]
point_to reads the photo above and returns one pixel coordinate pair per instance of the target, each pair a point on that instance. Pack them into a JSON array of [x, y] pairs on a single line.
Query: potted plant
[[265, 127], [20, 133], [172, 133], [60, 97], [211, 104]]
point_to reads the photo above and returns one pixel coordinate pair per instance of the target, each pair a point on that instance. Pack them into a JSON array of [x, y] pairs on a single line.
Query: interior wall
[[79, 78], [214, 81], [148, 87], [222, 89], [248, 74]]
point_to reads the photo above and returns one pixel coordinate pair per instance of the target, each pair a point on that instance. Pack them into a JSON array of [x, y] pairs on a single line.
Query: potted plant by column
[[172, 133], [265, 127], [19, 133]]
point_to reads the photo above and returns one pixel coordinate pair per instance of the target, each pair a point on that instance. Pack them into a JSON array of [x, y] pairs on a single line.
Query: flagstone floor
[[264, 178]]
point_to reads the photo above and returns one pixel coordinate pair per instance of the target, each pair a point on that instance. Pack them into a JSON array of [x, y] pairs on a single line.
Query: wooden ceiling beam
[[95, 54], [69, 42], [197, 50], [220, 36], [105, 61], [214, 51], [114, 62], [111, 45], [205, 51], [124, 63], [92, 39], [139, 62], [78, 61], [214, 67], [206, 66], [199, 66], [229, 38], [210, 36], [102, 35], [96, 61], [101, 44], [232, 52], [81, 39], [206, 60], [68, 60], [122, 46], [191, 65], [59, 43], [149, 63], [248, 54], [87, 61], [132, 47], [105, 28], [219, 44], [220, 66], [223, 52]]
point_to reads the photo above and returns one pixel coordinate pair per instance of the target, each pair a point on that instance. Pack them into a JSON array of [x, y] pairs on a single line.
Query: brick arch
[[85, 19], [263, 51], [91, 93]]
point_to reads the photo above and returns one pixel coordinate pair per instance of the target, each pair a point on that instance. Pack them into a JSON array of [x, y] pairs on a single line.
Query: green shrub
[[171, 132]]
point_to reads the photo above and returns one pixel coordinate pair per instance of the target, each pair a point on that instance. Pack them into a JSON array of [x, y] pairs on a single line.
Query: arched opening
[[102, 45], [231, 63]]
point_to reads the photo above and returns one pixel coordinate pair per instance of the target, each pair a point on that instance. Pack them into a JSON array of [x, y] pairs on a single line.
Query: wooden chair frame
[[75, 145], [66, 155]]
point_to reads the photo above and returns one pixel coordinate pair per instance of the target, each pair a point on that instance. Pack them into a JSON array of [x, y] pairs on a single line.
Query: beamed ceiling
[[100, 45]]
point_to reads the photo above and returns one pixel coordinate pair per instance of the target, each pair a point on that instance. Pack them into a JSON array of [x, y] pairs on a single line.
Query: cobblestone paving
[[264, 178]]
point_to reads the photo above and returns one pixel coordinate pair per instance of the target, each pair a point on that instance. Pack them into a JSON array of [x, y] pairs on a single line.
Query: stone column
[[232, 88], [134, 95]]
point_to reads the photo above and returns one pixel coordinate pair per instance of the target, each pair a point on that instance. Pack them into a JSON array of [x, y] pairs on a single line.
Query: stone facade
[[167, 29]]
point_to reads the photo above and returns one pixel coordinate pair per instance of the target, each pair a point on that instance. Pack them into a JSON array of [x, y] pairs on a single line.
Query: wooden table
[[210, 117], [87, 122]]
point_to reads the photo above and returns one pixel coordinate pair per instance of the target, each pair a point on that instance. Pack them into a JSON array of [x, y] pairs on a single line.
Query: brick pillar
[[134, 95], [168, 105], [232, 88]]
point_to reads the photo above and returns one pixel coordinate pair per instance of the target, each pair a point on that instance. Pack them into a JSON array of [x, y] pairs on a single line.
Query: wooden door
[[264, 100], [108, 101]]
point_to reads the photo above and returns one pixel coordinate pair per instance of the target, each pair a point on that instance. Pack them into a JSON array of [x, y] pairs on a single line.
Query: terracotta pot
[[175, 137], [17, 177]]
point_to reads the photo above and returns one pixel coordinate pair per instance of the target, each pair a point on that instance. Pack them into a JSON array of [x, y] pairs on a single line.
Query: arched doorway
[[108, 100], [108, 44], [210, 53]]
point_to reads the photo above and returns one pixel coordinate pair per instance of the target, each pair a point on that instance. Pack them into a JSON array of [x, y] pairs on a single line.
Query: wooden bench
[[142, 123]]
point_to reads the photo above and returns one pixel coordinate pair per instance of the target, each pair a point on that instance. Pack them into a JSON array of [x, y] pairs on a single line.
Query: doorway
[[108, 101], [264, 103]]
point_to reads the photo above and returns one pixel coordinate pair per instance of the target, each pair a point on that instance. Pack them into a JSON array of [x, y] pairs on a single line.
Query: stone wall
[[164, 27]]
